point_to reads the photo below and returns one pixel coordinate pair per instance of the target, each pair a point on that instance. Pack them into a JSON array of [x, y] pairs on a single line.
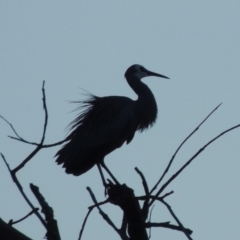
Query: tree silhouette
[[136, 210]]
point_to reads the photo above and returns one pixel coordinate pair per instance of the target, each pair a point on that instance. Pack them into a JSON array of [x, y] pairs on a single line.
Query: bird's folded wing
[[104, 120]]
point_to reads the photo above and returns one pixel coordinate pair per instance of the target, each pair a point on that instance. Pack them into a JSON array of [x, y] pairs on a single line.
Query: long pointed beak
[[156, 74]]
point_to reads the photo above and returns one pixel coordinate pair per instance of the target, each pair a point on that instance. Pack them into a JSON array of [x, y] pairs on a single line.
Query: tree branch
[[51, 223], [182, 228], [105, 216], [190, 160], [168, 225], [20, 188], [184, 141]]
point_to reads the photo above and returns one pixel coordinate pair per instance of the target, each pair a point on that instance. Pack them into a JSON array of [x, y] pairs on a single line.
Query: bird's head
[[140, 72]]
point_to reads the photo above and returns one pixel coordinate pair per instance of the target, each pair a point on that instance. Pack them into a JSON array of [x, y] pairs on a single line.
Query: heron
[[106, 123]]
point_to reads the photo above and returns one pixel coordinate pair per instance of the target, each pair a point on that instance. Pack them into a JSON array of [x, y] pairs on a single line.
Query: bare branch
[[11, 127], [144, 182], [27, 159], [168, 225], [20, 139], [52, 226], [150, 217], [105, 216], [146, 189], [190, 160], [167, 194], [84, 223], [98, 204], [177, 220], [37, 144], [153, 197], [123, 196], [185, 140], [20, 188], [46, 113], [11, 222]]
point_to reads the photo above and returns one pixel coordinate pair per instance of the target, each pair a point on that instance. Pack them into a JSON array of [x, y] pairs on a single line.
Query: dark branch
[[153, 197], [98, 204], [146, 189], [20, 188], [19, 138], [22, 164], [168, 225], [123, 196], [39, 147], [190, 160], [144, 182], [52, 227], [46, 113], [11, 222], [84, 223], [185, 140], [27, 159], [37, 144], [105, 216], [183, 229], [11, 127]]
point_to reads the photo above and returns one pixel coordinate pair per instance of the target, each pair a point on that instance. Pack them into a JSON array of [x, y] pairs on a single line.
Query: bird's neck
[[145, 96], [146, 103]]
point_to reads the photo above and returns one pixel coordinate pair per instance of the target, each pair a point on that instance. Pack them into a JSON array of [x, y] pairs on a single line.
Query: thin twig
[[190, 160], [150, 216], [99, 204], [146, 189], [19, 138], [27, 159], [84, 223], [20, 188], [167, 225], [143, 198], [167, 194], [47, 210], [11, 127], [11, 222], [105, 216], [37, 144], [144, 182], [46, 112], [177, 220], [185, 140]]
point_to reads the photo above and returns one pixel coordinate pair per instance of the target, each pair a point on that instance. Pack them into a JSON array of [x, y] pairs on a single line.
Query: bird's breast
[[147, 113]]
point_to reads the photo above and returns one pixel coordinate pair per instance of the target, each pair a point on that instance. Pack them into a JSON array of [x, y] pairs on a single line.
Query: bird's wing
[[104, 121]]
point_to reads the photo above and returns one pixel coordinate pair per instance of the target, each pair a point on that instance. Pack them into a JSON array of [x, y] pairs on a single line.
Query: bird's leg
[[110, 174], [101, 174]]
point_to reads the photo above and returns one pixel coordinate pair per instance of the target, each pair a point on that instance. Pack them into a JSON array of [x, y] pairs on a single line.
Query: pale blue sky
[[89, 45]]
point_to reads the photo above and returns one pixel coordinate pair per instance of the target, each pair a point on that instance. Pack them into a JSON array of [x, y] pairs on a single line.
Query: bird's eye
[[142, 69]]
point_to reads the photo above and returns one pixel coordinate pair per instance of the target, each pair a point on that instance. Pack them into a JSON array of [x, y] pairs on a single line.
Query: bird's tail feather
[[76, 161]]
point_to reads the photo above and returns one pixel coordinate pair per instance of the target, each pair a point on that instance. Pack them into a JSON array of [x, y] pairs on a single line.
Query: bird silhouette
[[105, 123]]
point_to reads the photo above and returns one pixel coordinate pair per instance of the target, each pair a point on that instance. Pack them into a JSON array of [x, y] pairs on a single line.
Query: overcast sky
[[75, 45]]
